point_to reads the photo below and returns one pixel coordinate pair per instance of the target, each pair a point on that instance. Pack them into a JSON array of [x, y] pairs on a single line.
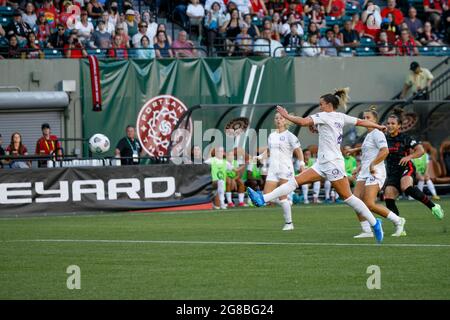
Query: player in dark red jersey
[[400, 169]]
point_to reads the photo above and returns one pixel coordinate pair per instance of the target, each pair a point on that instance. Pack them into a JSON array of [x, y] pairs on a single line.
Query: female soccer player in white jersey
[[282, 145], [372, 176], [330, 161]]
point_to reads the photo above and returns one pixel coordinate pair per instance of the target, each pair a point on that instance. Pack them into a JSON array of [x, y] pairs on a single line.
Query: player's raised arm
[[304, 122], [370, 124]]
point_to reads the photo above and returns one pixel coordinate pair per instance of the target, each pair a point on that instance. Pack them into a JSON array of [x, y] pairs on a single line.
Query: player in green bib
[[350, 165], [309, 162], [422, 176], [219, 167], [235, 180]]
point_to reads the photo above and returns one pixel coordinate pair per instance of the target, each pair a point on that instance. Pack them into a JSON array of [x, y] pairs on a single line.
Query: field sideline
[[233, 254]]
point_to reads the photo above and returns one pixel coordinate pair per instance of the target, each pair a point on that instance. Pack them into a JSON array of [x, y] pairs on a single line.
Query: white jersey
[[374, 141], [331, 130], [281, 147]]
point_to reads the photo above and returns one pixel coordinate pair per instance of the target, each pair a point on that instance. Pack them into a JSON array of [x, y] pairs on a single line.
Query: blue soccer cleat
[[378, 231], [256, 197]]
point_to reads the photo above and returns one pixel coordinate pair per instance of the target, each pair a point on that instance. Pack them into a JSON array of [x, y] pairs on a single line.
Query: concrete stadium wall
[[46, 75], [370, 78]]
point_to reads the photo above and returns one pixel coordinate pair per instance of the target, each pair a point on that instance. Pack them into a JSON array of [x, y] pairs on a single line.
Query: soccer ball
[[99, 143]]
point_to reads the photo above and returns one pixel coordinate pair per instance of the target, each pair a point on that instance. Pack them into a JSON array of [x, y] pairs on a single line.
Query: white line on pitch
[[239, 243]]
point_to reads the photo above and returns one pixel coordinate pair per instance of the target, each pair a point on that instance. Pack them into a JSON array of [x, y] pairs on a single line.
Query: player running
[[330, 162], [400, 169], [282, 144], [372, 175]]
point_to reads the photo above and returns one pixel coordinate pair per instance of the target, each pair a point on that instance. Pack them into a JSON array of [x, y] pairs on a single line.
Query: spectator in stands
[[286, 28], [392, 24], [132, 25], [214, 22], [101, 38], [19, 28], [372, 9], [310, 47], [58, 39], [109, 27], [428, 37], [446, 25], [329, 44], [317, 14], [267, 25], [406, 46], [118, 49], [277, 25], [419, 80], [162, 27], [143, 31], [294, 39], [179, 12], [337, 32], [385, 47], [259, 8], [182, 47], [232, 29], [29, 16], [357, 24], [152, 26], [85, 28], [42, 28], [162, 46], [398, 15], [209, 4], [66, 17], [313, 29], [114, 13], [371, 29], [196, 13], [14, 50], [129, 149], [275, 6], [123, 36], [267, 46], [94, 9], [17, 148], [253, 30], [243, 44], [334, 8], [74, 48], [32, 47], [415, 25], [243, 6], [392, 37], [146, 50], [434, 10], [50, 13], [48, 144], [349, 38], [295, 7]]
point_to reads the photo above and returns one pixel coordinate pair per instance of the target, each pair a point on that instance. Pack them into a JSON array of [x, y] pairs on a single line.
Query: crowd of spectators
[[225, 27]]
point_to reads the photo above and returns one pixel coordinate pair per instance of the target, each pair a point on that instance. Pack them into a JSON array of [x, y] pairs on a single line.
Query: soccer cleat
[[327, 201], [242, 204], [223, 207], [378, 231], [400, 228], [306, 201], [231, 205], [436, 197], [256, 197], [364, 235], [437, 211], [288, 227]]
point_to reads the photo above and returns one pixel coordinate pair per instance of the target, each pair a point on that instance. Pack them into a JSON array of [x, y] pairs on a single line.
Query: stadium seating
[[367, 42], [365, 51], [330, 21], [426, 51], [53, 53], [4, 21], [6, 11], [99, 53]]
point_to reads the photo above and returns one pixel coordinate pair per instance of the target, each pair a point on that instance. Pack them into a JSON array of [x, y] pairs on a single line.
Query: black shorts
[[394, 176]]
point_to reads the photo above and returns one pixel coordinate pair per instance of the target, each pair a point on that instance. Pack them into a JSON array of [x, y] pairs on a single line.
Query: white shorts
[[378, 179], [277, 175], [331, 171]]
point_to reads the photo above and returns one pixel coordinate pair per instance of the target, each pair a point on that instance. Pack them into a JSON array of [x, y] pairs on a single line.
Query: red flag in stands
[[95, 83]]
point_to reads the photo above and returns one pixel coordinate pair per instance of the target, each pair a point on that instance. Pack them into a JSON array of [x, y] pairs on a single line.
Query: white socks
[[221, 191], [287, 214], [431, 187], [282, 190], [305, 188], [229, 199], [420, 185], [327, 187], [365, 225], [241, 197], [316, 189], [361, 209], [393, 217]]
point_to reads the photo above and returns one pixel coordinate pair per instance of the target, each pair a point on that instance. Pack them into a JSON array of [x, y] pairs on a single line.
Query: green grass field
[[233, 254]]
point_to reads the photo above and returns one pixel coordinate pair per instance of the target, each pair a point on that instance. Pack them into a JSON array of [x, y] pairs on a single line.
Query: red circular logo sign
[[156, 122]]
